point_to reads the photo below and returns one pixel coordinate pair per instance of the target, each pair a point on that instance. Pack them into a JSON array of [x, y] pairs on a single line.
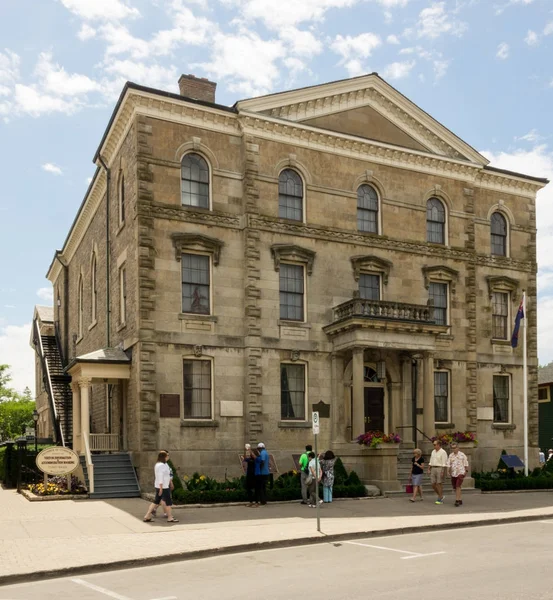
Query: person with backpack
[[314, 475], [304, 472]]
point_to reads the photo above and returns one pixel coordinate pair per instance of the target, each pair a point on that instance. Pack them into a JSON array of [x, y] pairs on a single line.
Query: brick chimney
[[197, 88]]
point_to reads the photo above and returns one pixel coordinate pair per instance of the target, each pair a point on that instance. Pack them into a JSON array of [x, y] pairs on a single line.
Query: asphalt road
[[501, 562]]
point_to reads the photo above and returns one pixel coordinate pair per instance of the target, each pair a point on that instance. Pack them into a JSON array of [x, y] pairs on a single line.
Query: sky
[[483, 68]]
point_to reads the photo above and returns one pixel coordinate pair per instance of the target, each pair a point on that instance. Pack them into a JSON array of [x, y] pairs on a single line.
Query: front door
[[374, 409]]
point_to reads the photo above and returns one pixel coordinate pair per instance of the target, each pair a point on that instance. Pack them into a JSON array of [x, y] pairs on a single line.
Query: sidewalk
[[68, 537]]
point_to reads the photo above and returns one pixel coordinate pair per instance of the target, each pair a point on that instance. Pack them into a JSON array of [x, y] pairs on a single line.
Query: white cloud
[[392, 39], [16, 352], [153, 75], [46, 294], [360, 46], [101, 10], [440, 68], [499, 10], [52, 168], [548, 29], [439, 64], [56, 80], [434, 21], [502, 51], [35, 103], [9, 67], [246, 60], [86, 32], [354, 67], [532, 136], [301, 43], [121, 41], [531, 38], [398, 70]]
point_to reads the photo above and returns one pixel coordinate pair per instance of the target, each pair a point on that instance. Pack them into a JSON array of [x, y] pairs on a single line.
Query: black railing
[[385, 310]]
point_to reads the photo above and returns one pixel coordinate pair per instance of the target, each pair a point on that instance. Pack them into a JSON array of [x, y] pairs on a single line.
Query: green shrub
[[340, 473], [353, 479], [349, 491], [517, 483]]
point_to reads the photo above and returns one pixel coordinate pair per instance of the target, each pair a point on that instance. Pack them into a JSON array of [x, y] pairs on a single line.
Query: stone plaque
[[323, 410], [169, 406]]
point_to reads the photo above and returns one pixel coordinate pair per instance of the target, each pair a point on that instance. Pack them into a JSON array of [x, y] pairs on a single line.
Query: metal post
[[317, 466], [525, 382]]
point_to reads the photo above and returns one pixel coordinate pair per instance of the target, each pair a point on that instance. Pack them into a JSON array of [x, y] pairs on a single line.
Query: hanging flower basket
[[373, 439], [459, 437]]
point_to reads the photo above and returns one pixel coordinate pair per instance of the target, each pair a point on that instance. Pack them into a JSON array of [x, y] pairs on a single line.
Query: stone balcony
[[400, 317]]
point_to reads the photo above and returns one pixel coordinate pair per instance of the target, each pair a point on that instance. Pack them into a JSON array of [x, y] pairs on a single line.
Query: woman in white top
[[162, 485]]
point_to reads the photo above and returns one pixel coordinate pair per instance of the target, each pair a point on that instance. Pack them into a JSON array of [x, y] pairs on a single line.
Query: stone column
[[407, 399], [428, 397], [395, 419], [76, 416], [358, 416], [85, 408], [338, 429]]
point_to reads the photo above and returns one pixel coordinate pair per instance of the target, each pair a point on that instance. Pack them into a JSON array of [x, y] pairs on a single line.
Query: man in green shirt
[[304, 466]]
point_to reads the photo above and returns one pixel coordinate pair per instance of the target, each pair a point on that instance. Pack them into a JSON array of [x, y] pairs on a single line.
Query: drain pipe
[[65, 304], [108, 296]]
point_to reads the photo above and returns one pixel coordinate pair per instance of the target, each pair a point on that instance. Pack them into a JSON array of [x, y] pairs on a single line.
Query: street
[[506, 562]]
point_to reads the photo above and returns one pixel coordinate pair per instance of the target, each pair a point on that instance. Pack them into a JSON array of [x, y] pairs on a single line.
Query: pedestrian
[[437, 468], [171, 487], [315, 474], [327, 466], [304, 472], [262, 473], [162, 475], [417, 471], [549, 454], [457, 469], [249, 459]]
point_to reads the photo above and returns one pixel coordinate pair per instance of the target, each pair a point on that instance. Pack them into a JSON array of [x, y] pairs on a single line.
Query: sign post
[[316, 428]]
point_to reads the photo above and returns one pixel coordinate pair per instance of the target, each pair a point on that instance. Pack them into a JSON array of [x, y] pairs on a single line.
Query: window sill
[[197, 317], [92, 325], [285, 323], [292, 221], [120, 327], [295, 424], [498, 342], [372, 234], [504, 426], [120, 228], [444, 425], [196, 208], [446, 336], [199, 423]]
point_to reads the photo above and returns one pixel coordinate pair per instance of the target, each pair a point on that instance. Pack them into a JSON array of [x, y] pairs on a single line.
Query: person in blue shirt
[[262, 473]]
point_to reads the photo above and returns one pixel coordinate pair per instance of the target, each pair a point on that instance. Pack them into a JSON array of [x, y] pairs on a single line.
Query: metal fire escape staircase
[[56, 384]]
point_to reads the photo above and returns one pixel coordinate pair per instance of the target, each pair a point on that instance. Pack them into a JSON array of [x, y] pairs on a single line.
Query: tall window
[[290, 195], [369, 287], [441, 397], [194, 181], [80, 301], [195, 284], [197, 389], [291, 292], [501, 399], [499, 234], [438, 293], [93, 289], [292, 392], [435, 221], [121, 193], [500, 315], [122, 295], [367, 209]]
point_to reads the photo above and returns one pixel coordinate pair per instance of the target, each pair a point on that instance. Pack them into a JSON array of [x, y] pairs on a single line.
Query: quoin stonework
[[231, 267]]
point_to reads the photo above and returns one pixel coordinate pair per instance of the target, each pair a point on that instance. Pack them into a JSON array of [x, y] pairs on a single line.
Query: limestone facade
[[336, 137]]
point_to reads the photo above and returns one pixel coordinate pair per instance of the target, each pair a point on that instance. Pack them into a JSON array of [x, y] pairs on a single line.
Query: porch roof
[[104, 355], [106, 364]]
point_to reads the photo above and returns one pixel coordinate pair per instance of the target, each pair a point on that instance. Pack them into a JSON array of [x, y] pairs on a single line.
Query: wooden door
[[374, 409]]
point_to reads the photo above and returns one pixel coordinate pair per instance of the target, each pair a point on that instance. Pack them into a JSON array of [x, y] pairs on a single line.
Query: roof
[[112, 356], [545, 374], [45, 313], [516, 174]]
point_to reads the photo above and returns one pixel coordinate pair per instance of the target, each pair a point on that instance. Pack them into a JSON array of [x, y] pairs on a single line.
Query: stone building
[[230, 267]]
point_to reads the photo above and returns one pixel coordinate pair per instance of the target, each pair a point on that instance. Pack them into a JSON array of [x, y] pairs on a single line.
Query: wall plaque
[[169, 406]]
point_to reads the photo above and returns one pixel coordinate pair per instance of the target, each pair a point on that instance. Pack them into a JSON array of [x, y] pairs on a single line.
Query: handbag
[[309, 480], [409, 488]]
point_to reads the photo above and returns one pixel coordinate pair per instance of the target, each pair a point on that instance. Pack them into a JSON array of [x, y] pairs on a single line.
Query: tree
[[16, 410]]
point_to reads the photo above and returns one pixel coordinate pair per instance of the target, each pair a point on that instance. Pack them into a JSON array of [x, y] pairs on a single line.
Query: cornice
[[186, 215]]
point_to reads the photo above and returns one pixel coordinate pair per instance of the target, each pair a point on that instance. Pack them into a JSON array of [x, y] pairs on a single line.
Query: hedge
[[516, 483]]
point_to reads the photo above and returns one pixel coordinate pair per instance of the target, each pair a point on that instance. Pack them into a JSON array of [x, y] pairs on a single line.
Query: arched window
[[435, 221], [194, 181], [367, 209], [121, 198], [290, 195], [499, 234], [80, 306], [93, 289]]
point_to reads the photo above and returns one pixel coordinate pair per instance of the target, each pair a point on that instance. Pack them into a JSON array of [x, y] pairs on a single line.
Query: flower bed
[[373, 439], [57, 486]]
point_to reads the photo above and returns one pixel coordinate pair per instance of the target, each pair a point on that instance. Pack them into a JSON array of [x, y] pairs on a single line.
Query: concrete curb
[[239, 548]]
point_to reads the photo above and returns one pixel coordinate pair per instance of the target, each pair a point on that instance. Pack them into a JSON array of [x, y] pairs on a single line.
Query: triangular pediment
[[365, 107]]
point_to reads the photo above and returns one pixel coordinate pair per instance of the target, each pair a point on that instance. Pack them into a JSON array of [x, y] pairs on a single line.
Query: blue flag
[[520, 315]]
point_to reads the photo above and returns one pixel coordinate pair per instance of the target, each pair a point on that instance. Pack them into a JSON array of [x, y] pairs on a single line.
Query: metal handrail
[[416, 429], [89, 464], [48, 381]]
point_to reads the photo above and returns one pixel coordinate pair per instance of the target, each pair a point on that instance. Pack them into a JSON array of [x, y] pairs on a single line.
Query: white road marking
[[101, 590], [411, 554]]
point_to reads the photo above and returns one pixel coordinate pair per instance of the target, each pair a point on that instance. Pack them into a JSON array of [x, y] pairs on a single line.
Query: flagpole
[[525, 382]]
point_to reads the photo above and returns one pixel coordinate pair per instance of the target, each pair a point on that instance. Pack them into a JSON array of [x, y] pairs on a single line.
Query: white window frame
[[547, 388], [210, 257], [210, 359], [510, 407], [378, 213], [123, 292], [446, 223], [509, 313], [449, 402], [304, 364], [121, 206], [80, 307], [507, 237], [304, 272], [448, 296], [94, 288], [378, 274], [210, 181], [304, 198]]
